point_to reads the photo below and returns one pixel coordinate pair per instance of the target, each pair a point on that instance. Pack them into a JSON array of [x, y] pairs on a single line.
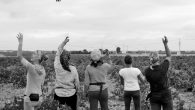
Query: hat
[[96, 55]]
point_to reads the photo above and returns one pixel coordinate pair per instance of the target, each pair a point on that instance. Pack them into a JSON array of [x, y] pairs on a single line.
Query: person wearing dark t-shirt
[[156, 75]]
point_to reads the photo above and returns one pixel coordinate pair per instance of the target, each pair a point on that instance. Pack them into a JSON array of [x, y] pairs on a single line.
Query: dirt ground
[[7, 93]]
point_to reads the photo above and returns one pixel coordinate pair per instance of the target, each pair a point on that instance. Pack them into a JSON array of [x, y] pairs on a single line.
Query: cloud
[[97, 23]]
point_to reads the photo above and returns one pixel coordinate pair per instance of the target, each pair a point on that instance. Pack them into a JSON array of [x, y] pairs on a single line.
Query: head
[[96, 58], [64, 60], [128, 60], [38, 57], [154, 58]]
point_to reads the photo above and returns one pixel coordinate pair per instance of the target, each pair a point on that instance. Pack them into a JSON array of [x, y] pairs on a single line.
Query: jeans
[[162, 99], [95, 96], [128, 95], [70, 101]]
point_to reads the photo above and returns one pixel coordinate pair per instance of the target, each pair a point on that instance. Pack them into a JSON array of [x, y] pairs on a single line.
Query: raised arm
[[110, 65], [20, 41], [168, 53], [24, 62], [57, 63], [61, 46]]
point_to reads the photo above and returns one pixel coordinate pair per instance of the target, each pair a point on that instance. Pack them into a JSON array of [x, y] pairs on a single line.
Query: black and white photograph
[[97, 55]]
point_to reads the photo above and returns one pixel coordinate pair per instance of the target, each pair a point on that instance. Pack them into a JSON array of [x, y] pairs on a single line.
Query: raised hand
[[67, 39], [20, 37], [165, 40]]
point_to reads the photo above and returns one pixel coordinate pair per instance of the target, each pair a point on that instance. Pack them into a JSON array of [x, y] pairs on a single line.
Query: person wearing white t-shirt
[[131, 77], [35, 77]]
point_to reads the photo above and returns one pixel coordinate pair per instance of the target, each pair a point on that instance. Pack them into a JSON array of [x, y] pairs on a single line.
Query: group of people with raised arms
[[96, 89]]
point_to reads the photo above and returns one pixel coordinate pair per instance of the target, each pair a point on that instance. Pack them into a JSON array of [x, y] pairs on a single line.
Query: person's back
[[65, 82], [35, 77], [130, 76], [156, 75], [34, 80], [95, 81], [97, 74], [67, 79]]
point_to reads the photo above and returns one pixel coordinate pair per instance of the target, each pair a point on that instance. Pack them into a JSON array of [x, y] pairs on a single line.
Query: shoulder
[[122, 71], [72, 67], [25, 62], [146, 70], [168, 59], [73, 70], [71, 64], [166, 62], [106, 65], [136, 69], [88, 66]]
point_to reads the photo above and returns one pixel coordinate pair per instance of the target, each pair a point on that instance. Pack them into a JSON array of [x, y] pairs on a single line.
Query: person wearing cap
[[95, 81], [35, 76], [67, 78], [156, 75], [131, 77]]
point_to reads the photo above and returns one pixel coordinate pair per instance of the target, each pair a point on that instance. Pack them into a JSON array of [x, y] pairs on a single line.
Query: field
[[13, 81]]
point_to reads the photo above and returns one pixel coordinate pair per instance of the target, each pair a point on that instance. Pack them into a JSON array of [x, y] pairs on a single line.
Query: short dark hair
[[43, 58], [128, 59], [96, 63]]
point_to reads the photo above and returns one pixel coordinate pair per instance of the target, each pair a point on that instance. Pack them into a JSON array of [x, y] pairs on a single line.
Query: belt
[[99, 84]]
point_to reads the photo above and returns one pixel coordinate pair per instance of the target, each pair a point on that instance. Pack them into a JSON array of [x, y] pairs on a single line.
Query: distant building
[[179, 53]]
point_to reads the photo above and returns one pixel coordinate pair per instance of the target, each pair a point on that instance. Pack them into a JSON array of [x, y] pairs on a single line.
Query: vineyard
[[13, 80]]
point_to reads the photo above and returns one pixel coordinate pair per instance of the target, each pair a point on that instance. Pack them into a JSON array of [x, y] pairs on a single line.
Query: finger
[[163, 39], [21, 34], [18, 36]]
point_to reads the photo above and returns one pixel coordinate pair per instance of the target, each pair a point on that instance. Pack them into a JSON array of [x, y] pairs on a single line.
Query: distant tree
[[118, 50], [53, 52], [85, 51]]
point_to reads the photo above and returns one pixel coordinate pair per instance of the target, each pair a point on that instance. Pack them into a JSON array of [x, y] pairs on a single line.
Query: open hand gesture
[[66, 40], [20, 37], [165, 40]]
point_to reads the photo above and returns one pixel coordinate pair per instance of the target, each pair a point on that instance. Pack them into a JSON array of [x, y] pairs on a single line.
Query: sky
[[94, 24]]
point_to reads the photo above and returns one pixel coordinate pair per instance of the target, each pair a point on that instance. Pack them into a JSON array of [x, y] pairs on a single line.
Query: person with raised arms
[[35, 76], [67, 78], [156, 75]]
